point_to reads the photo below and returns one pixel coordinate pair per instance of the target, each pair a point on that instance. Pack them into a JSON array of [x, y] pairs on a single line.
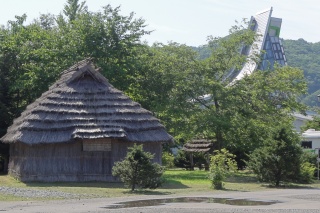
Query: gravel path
[[36, 193], [288, 201]]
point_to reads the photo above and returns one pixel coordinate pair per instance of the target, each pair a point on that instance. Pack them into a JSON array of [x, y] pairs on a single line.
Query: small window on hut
[[103, 145]]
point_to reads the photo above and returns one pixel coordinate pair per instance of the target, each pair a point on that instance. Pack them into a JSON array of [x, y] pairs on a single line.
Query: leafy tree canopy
[[73, 8], [32, 56], [193, 97], [280, 159]]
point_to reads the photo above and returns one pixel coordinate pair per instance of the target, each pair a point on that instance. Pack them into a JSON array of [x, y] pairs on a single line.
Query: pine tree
[[73, 8], [138, 170]]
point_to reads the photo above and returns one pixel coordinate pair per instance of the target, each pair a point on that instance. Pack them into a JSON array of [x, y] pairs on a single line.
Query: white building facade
[[311, 140]]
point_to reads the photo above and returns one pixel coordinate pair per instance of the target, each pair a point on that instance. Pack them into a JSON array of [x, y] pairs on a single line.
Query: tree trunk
[[207, 158], [191, 161], [133, 185], [218, 132]]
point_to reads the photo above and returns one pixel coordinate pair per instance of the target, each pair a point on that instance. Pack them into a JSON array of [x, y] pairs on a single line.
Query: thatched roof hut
[[198, 145], [202, 146], [78, 128]]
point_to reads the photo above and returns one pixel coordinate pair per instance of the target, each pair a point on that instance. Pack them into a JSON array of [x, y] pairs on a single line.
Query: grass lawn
[[177, 182]]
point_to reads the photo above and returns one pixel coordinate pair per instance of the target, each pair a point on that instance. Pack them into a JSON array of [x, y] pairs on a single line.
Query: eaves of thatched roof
[[82, 104], [198, 145]]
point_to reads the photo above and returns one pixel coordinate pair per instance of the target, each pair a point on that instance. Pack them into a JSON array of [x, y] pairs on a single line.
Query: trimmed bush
[[137, 169]]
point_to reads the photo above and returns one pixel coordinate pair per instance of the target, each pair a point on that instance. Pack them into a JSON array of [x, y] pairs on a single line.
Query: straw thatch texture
[[83, 105], [78, 129], [199, 145]]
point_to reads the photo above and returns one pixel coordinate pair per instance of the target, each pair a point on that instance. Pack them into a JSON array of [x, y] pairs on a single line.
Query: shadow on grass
[[76, 184], [188, 175], [146, 192], [173, 184], [243, 177], [168, 184], [289, 186]]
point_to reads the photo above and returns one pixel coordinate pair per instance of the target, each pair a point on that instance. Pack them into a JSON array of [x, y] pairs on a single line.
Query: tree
[[169, 80], [73, 8], [301, 54], [197, 98], [138, 170], [261, 102], [167, 160], [222, 165], [182, 160], [113, 40], [313, 124], [164, 71], [28, 65], [279, 160], [32, 56], [178, 80]]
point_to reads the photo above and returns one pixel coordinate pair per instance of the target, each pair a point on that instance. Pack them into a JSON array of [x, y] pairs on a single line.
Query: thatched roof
[[198, 145], [82, 104]]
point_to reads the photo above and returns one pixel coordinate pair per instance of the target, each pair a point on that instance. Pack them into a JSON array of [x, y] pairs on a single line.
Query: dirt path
[[288, 200]]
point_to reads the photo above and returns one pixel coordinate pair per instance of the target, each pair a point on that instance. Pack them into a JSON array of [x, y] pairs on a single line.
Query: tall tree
[[279, 159], [27, 65], [113, 40], [196, 99], [159, 84], [33, 55], [260, 103], [73, 8]]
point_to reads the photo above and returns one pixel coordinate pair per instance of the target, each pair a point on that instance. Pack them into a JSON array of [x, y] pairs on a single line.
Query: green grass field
[[177, 182]]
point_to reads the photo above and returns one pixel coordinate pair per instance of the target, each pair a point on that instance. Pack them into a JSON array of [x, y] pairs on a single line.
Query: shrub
[[222, 165], [279, 160], [310, 157], [167, 160], [181, 160], [307, 171], [138, 170], [200, 160]]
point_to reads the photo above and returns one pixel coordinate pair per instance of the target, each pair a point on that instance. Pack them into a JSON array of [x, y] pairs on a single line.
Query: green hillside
[[306, 56]]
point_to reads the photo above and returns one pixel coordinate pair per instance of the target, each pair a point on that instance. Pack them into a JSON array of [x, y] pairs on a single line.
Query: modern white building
[[301, 120], [268, 45], [311, 140]]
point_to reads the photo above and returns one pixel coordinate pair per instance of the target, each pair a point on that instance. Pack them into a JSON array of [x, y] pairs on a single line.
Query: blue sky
[[189, 21]]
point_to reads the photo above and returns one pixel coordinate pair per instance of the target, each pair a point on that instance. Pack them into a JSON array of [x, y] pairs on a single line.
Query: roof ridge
[[84, 85]]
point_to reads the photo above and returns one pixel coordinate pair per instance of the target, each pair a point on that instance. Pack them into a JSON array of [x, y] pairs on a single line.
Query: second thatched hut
[[200, 146]]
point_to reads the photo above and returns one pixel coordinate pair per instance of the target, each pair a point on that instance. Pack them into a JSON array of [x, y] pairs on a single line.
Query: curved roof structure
[[268, 44], [82, 104]]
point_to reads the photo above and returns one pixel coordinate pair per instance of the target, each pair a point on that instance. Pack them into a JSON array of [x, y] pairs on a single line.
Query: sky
[[188, 22]]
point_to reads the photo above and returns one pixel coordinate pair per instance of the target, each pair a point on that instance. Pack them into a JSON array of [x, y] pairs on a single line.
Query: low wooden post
[[207, 158], [191, 161]]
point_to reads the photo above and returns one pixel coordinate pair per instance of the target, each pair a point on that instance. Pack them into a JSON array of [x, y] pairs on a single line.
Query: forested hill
[[302, 54], [306, 56]]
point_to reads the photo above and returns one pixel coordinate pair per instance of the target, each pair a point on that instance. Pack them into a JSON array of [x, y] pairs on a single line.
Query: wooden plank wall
[[68, 161]]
